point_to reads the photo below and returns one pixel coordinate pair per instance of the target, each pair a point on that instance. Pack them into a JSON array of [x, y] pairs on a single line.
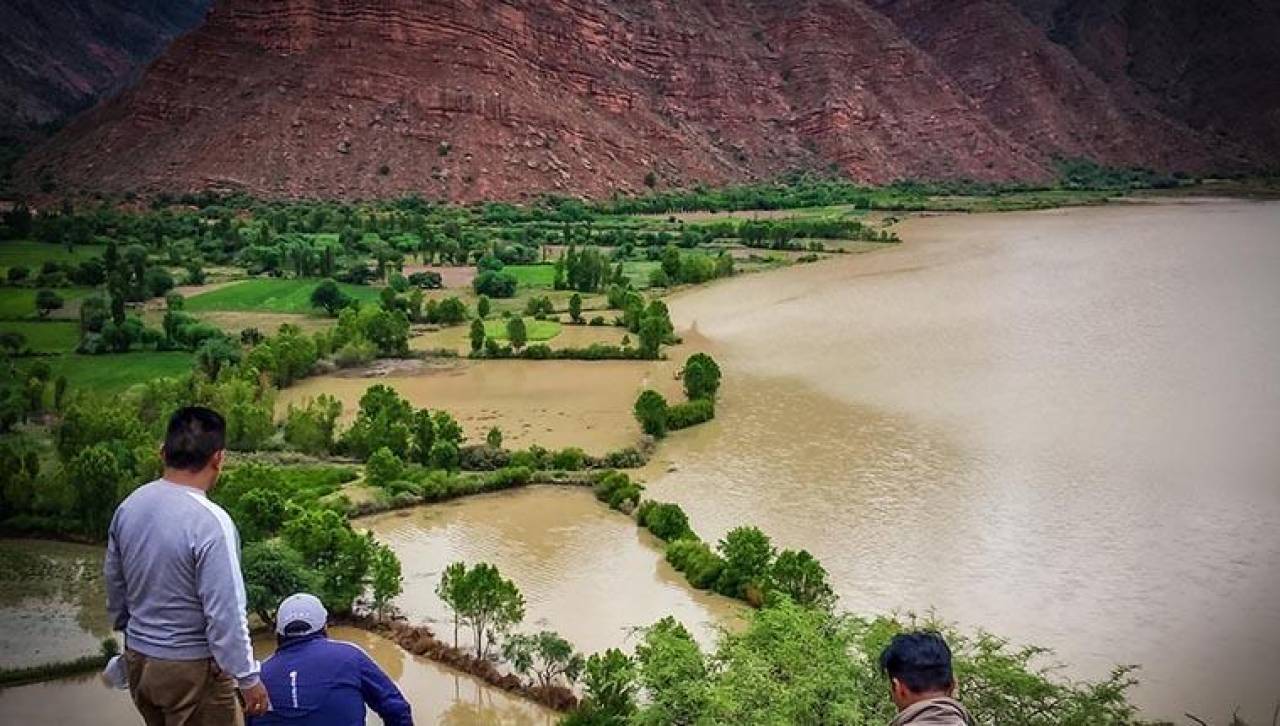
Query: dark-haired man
[[317, 681], [174, 587], [921, 683]]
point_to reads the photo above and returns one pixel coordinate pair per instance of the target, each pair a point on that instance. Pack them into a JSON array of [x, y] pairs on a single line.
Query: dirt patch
[[452, 277]]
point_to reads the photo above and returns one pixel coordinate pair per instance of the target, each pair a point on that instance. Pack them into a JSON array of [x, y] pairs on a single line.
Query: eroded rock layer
[[472, 99]]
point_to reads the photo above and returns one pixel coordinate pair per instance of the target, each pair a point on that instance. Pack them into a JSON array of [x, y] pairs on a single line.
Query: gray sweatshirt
[[173, 579]]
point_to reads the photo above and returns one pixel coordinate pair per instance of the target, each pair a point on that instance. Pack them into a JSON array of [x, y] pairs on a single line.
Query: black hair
[[921, 660], [297, 627], [195, 434]]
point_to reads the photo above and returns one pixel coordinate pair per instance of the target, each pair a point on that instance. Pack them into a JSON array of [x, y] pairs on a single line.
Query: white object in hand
[[116, 674]]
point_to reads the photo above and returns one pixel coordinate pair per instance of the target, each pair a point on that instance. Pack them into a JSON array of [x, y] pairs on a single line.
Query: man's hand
[[256, 702]]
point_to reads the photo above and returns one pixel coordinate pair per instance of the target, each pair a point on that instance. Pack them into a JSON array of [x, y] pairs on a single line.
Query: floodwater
[[585, 571], [1060, 426], [51, 602], [554, 404], [438, 695]]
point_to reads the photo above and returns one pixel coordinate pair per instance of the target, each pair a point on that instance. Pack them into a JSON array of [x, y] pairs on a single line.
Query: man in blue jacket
[[316, 681]]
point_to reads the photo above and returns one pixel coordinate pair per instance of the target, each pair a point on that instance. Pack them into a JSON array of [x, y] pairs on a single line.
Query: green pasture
[[45, 336], [17, 303], [31, 254], [537, 330], [119, 371], [271, 295]]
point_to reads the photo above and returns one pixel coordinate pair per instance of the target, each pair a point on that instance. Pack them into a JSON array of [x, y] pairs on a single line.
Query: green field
[[116, 372], [538, 330], [533, 275], [32, 254], [19, 303], [45, 336], [271, 296]]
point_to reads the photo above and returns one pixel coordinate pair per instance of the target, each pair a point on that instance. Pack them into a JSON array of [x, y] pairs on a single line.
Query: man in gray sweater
[[174, 587]]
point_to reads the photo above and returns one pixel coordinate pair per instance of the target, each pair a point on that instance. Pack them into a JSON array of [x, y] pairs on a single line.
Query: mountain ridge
[[467, 100]]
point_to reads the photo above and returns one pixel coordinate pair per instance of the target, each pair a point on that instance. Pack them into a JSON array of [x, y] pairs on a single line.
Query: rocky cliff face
[[58, 57], [471, 99]]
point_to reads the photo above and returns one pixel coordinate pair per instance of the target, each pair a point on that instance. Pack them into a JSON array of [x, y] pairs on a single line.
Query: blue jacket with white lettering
[[316, 681]]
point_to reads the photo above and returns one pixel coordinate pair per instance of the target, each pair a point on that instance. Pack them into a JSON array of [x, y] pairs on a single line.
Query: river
[[1060, 426]]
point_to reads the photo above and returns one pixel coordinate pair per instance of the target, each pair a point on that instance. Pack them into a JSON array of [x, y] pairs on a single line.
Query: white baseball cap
[[301, 607]]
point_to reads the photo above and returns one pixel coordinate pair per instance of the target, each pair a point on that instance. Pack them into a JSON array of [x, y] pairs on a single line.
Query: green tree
[[452, 592], [516, 332], [609, 691], [545, 656], [674, 673], [483, 307], [157, 281], [575, 307], [272, 572], [338, 554], [444, 455], [388, 582], [651, 412], [384, 419], [748, 555], [800, 576], [215, 354], [260, 513], [383, 467], [309, 428], [47, 301], [665, 520], [96, 476], [701, 376], [94, 313], [477, 335], [490, 606], [328, 296]]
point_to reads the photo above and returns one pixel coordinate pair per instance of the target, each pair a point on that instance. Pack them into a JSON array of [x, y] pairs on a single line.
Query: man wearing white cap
[[316, 681]]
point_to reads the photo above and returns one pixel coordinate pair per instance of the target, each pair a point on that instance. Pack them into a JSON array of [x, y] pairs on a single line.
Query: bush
[[701, 566], [618, 491], [495, 284], [483, 457], [694, 412], [701, 376], [665, 520], [383, 467], [570, 459], [651, 411], [628, 458], [358, 352]]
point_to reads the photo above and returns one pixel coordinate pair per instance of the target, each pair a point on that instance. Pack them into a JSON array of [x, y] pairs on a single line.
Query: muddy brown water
[[438, 695], [584, 570], [550, 403], [1060, 426]]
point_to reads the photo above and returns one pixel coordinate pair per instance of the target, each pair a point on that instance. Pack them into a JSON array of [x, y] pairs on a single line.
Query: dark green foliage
[[665, 520], [495, 284], [575, 307], [700, 565], [517, 333], [692, 413], [748, 556], [651, 411], [383, 467], [329, 297], [47, 301], [272, 572], [618, 491], [337, 553], [385, 420], [609, 688], [309, 428], [701, 376], [800, 577]]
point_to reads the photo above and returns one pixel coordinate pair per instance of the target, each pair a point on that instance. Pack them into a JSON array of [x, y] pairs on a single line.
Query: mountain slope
[[60, 56], [466, 99]]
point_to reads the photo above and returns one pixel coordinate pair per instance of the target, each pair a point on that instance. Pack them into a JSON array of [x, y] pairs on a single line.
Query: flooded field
[[585, 571], [551, 403], [52, 602], [458, 337], [437, 694], [1059, 426]]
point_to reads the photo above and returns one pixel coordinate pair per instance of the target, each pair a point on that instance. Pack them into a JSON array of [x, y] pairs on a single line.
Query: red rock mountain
[[471, 99], [58, 57]]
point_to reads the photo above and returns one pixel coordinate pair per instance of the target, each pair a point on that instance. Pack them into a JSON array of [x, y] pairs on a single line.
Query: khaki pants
[[182, 692]]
